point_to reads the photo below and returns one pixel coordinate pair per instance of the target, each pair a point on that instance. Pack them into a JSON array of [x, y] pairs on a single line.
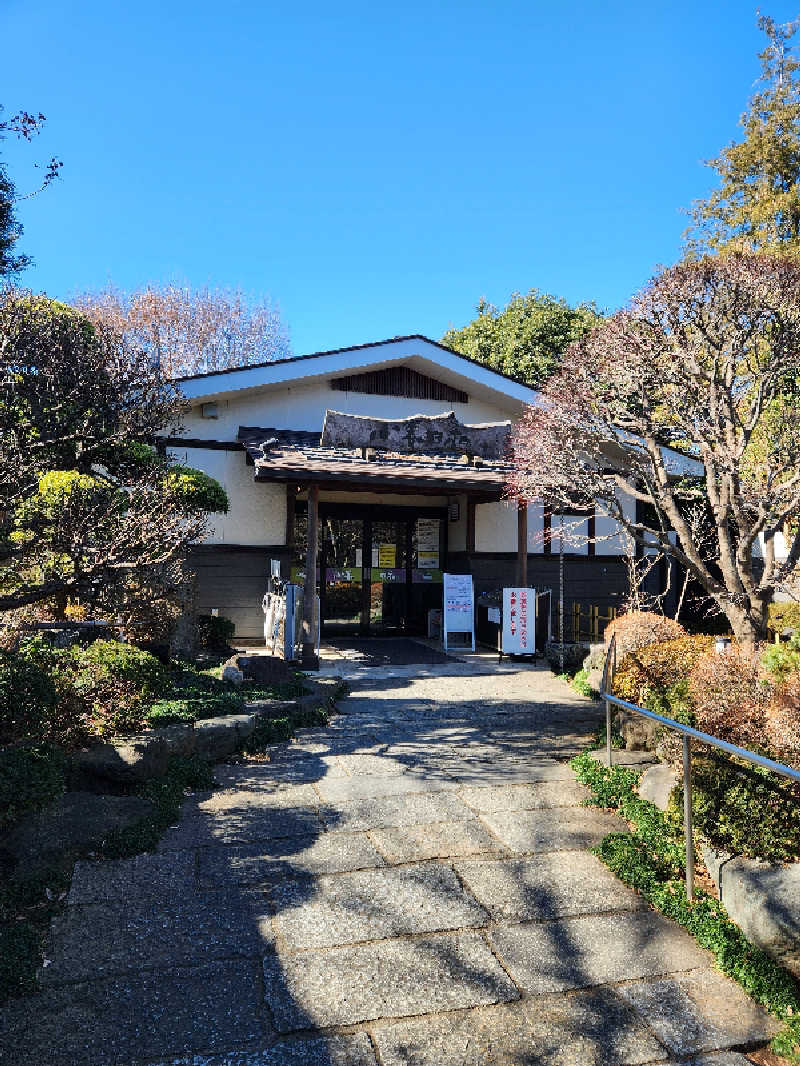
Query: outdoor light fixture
[[454, 510], [721, 645]]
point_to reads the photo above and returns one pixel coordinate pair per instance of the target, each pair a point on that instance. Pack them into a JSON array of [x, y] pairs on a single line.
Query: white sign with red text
[[519, 621]]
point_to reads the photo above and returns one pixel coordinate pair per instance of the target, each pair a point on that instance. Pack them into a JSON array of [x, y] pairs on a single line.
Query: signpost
[[519, 622], [459, 608]]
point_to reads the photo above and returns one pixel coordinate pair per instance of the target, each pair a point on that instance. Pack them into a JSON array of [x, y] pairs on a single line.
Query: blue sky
[[375, 169]]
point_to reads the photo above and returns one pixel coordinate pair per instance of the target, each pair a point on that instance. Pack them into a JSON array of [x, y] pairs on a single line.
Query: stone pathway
[[409, 886]]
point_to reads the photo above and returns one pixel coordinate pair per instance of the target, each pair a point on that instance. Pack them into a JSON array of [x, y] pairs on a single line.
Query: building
[[410, 485]]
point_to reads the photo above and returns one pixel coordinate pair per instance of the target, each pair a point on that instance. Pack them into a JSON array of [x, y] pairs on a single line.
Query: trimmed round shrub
[[640, 628], [656, 668], [114, 659], [115, 683], [730, 693]]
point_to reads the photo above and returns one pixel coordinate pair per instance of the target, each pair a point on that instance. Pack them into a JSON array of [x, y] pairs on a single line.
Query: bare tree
[[192, 331], [687, 390]]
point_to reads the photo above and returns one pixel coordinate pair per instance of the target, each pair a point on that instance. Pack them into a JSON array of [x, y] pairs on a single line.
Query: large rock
[[764, 901], [75, 822], [127, 761], [656, 784], [593, 665], [638, 732], [217, 737]]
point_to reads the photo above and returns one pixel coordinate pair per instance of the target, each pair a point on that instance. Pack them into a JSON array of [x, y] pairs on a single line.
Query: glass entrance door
[[389, 576], [378, 575], [341, 600]]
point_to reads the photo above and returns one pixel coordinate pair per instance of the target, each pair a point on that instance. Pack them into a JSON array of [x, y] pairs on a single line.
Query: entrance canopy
[[422, 454]]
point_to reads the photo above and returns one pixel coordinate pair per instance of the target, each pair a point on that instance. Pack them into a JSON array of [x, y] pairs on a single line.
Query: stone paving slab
[[143, 876], [555, 885], [105, 939], [240, 825], [420, 808], [393, 978], [272, 861], [173, 1011], [579, 952], [373, 905], [353, 1050], [525, 797], [489, 772], [540, 830], [587, 1029], [438, 841], [283, 798], [369, 786], [700, 1011]]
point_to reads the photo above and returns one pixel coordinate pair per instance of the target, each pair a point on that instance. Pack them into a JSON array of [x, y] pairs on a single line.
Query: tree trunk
[[749, 626]]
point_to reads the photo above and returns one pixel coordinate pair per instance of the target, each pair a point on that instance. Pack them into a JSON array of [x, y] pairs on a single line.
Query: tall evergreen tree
[[757, 204], [525, 339]]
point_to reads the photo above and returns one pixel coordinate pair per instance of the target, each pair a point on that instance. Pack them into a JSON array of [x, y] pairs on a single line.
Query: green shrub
[[214, 631], [27, 694], [31, 777], [192, 708], [580, 683], [112, 658], [656, 668], [781, 660], [746, 809]]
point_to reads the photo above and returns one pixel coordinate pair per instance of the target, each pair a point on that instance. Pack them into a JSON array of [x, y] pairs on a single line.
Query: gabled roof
[[413, 349]]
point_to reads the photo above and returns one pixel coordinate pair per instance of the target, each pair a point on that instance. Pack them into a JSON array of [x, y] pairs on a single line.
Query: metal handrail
[[688, 733]]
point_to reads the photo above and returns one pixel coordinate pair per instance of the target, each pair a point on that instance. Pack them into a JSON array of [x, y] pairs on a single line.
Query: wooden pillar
[[309, 658], [291, 500], [522, 543], [471, 525]]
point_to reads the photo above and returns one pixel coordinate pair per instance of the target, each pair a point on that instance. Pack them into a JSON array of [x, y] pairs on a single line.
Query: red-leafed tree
[[689, 394]]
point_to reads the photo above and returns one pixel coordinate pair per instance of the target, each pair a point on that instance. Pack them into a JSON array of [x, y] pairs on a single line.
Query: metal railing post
[[608, 733], [687, 817]]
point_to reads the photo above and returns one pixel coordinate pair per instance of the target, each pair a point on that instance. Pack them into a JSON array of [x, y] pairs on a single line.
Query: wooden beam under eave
[[522, 543], [309, 657]]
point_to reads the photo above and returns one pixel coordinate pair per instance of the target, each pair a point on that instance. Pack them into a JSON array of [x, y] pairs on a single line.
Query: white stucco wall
[[496, 527], [610, 539], [257, 513], [304, 408]]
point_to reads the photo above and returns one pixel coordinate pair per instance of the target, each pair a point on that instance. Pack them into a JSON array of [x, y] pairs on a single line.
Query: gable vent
[[399, 381]]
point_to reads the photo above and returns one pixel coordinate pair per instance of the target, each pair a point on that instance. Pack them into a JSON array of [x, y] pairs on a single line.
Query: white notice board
[[459, 607], [519, 621]]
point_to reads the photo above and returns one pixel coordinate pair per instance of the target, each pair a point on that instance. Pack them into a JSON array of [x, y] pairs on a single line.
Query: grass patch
[[651, 860]]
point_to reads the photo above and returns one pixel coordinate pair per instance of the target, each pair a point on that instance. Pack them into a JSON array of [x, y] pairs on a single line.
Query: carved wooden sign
[[419, 435]]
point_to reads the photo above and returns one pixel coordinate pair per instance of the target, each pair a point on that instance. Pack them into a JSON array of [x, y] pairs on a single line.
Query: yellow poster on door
[[387, 556]]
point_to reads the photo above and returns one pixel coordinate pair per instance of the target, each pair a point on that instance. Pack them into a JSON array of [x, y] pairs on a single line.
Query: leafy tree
[[89, 506], [696, 365], [757, 204], [192, 331], [527, 338], [25, 126]]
